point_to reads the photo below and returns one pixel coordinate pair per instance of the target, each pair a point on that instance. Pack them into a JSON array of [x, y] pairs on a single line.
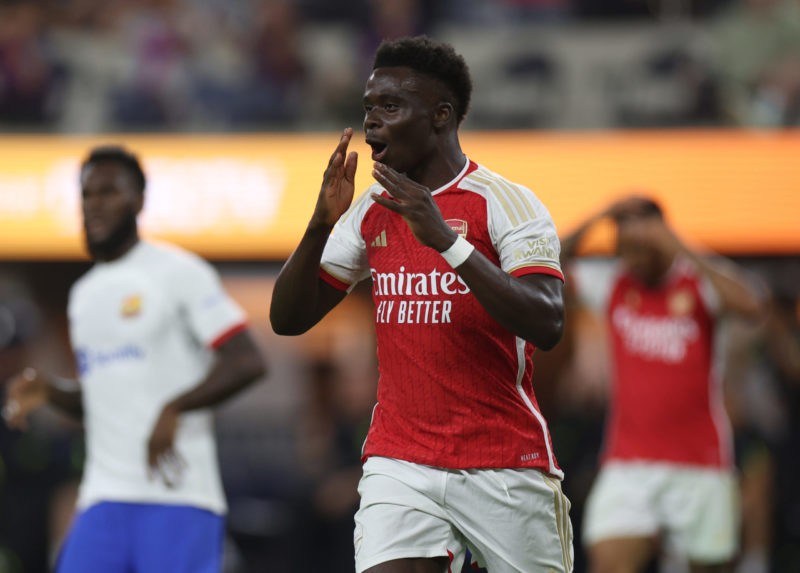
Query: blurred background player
[[667, 476], [447, 244], [157, 342]]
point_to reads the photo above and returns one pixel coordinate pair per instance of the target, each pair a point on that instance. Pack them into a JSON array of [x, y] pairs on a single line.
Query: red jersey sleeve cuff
[[333, 281], [227, 335], [538, 270]]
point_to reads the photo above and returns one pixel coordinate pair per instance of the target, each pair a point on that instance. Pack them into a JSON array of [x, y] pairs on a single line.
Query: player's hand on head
[[163, 461], [338, 182], [415, 204], [25, 392], [627, 206]]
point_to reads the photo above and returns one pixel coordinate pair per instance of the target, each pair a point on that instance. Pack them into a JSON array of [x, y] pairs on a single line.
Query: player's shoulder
[[502, 195], [171, 260], [361, 204], [493, 185], [484, 178]]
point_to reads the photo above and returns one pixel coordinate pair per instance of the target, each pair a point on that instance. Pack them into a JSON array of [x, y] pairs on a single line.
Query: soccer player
[[667, 476], [466, 282], [157, 343]]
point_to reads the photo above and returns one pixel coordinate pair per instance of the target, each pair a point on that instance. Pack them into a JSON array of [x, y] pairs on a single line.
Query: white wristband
[[458, 252]]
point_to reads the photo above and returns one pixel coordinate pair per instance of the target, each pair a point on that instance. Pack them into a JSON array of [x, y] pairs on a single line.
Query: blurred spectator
[[35, 466], [155, 91], [756, 45], [781, 349], [29, 74], [669, 86], [389, 20], [337, 430], [272, 94]]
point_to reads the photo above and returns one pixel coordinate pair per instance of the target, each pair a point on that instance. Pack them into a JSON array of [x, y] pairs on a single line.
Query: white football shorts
[[512, 520], [696, 510]]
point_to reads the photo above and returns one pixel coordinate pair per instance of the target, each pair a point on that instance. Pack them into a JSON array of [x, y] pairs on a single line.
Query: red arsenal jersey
[[666, 404], [455, 387]]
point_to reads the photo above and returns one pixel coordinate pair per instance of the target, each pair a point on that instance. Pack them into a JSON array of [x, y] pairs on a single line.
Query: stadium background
[[234, 106]]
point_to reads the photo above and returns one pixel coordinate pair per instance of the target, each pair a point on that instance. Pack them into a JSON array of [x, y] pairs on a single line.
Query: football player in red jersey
[[466, 283], [667, 475]]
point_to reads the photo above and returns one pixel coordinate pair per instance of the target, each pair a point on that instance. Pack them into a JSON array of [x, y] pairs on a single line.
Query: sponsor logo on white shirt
[[88, 360]]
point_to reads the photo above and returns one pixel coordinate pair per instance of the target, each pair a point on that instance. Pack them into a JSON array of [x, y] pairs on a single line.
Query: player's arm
[[736, 292], [31, 389], [570, 244], [532, 307], [300, 298], [237, 364]]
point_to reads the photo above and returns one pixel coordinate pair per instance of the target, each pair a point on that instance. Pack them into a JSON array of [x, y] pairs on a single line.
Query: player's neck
[[118, 251], [443, 166]]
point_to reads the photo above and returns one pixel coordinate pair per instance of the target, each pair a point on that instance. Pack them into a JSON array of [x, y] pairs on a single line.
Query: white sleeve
[[210, 312], [710, 296], [345, 254], [523, 231], [594, 278]]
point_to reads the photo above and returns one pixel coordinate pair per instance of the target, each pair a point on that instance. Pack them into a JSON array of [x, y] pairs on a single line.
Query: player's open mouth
[[378, 150]]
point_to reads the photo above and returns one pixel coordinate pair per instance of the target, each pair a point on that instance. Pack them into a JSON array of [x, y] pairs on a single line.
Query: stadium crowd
[[69, 66]]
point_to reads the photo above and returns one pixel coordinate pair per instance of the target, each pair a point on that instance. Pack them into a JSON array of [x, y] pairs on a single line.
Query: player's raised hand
[[338, 182], [25, 392], [415, 204]]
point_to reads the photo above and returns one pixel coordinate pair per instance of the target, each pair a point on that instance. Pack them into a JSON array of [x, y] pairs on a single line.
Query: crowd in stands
[[189, 65]]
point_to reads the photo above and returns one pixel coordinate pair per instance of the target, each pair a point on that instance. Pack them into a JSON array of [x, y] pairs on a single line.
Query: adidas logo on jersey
[[380, 240]]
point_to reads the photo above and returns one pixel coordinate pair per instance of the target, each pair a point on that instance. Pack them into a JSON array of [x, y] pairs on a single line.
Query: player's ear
[[138, 203], [443, 113]]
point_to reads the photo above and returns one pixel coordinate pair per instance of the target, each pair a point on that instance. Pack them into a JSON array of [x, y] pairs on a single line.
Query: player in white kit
[[466, 283], [157, 342]]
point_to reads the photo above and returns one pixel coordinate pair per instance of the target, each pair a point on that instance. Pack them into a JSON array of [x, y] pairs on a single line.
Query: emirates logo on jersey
[[406, 298], [459, 226], [663, 338]]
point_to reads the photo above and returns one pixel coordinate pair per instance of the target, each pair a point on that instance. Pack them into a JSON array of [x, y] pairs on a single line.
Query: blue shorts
[[117, 537]]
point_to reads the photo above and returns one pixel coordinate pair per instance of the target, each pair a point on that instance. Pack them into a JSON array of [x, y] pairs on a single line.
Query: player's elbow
[[284, 325], [553, 327], [551, 336], [255, 368]]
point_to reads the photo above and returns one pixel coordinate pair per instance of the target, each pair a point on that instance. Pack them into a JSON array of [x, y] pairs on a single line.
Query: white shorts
[[696, 510], [512, 520]]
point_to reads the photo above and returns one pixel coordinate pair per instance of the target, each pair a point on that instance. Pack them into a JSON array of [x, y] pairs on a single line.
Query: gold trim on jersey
[[545, 264], [512, 198], [561, 504]]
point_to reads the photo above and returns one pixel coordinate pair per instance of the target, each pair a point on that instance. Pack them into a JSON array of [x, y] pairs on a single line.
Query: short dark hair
[[120, 155], [435, 59], [643, 208]]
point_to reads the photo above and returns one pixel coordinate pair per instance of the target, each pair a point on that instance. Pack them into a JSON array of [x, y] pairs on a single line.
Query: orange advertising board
[[250, 196]]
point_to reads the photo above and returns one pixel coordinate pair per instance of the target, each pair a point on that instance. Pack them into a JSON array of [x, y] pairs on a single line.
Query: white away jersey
[[143, 329], [455, 387]]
